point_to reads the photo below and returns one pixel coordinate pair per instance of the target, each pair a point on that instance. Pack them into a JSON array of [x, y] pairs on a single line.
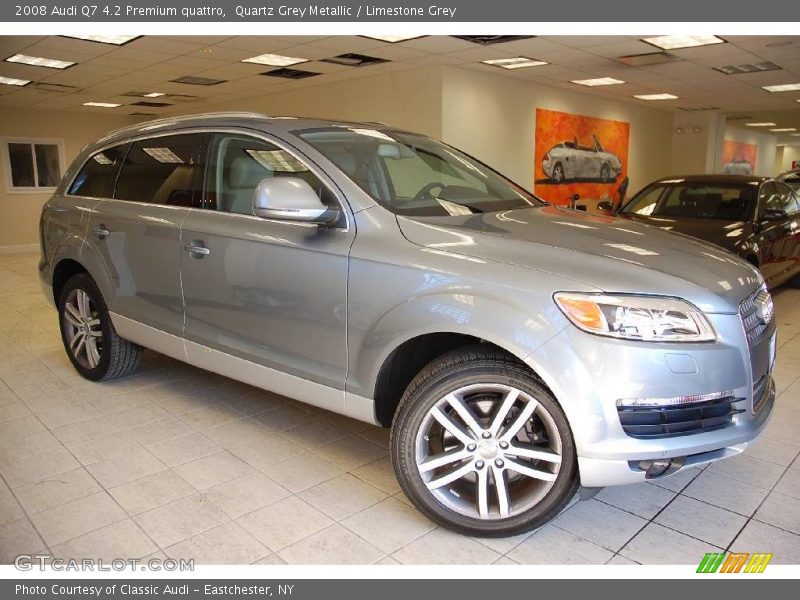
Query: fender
[[516, 331]]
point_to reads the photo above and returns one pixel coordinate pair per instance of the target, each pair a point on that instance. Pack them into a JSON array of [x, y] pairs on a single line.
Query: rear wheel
[[91, 342], [480, 446]]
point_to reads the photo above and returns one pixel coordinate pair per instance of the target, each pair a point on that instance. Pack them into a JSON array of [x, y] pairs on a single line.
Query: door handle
[[197, 249], [101, 232]]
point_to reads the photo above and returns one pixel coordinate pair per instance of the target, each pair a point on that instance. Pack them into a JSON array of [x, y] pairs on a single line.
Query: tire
[[605, 173], [114, 356], [558, 173], [483, 379]]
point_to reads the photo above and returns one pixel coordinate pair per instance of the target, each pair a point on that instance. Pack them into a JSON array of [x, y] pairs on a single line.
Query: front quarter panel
[[399, 290]]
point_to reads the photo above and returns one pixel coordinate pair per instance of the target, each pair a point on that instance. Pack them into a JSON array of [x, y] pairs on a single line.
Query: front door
[[273, 293]]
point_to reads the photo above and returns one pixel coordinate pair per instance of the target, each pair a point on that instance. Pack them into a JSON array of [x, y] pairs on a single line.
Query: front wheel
[[91, 342], [480, 446]]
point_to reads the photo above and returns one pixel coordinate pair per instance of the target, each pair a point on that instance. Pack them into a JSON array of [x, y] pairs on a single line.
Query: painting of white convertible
[[569, 161]]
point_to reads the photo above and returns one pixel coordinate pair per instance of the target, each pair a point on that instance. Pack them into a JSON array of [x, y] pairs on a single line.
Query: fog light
[[673, 401], [660, 467]]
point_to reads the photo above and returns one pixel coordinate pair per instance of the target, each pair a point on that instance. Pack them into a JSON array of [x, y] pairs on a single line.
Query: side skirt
[[266, 378]]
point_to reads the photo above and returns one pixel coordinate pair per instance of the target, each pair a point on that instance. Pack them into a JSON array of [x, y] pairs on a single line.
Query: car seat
[[244, 176]]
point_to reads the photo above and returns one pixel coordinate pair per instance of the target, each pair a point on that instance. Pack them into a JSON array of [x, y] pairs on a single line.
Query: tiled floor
[[178, 462]]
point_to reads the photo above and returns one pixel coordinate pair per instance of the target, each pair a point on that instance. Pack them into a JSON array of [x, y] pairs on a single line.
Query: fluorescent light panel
[[598, 81], [392, 39], [517, 62], [154, 95], [275, 60], [675, 42], [656, 96], [13, 81], [117, 40], [765, 124], [37, 61], [163, 155], [102, 104], [783, 87], [784, 129]]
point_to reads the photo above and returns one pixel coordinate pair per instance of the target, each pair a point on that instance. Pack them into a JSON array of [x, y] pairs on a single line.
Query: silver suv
[[516, 349]]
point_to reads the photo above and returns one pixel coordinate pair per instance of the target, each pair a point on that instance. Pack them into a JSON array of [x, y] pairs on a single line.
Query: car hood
[[604, 253], [721, 232]]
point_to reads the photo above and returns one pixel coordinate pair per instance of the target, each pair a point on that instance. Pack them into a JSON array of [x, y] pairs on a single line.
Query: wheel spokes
[[502, 412], [445, 459], [84, 305], [450, 477], [72, 314], [530, 471], [503, 501], [530, 452], [92, 354], [465, 413], [483, 493], [451, 426], [519, 422]]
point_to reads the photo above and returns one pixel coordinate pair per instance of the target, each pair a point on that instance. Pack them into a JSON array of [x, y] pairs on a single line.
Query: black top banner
[[420, 11]]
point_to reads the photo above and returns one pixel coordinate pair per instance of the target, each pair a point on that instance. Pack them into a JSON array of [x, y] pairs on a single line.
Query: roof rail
[[167, 120]]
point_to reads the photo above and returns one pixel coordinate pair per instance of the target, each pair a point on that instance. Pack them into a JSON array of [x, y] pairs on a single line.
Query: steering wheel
[[425, 192]]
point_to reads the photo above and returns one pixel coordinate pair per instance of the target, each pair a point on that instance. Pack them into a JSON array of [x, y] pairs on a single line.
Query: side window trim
[[119, 170]]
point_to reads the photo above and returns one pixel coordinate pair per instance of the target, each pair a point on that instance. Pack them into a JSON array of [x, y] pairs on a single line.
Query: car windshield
[[792, 181], [414, 175], [694, 200]]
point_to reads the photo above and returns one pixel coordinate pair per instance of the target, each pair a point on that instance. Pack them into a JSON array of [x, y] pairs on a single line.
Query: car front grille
[[648, 422], [756, 313]]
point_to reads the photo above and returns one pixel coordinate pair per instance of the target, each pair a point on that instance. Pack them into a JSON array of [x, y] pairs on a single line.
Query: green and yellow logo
[[734, 562]]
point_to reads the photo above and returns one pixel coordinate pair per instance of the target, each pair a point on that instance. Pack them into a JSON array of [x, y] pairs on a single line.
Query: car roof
[[713, 178], [214, 120]]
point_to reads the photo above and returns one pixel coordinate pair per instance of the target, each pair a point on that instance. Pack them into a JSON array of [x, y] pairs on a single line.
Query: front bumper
[[589, 373]]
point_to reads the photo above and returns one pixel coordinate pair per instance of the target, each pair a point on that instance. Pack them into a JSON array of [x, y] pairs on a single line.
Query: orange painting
[[576, 154], [739, 158]]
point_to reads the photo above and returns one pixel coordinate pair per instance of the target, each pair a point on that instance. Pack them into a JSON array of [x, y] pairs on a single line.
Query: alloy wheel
[[488, 451], [83, 329]]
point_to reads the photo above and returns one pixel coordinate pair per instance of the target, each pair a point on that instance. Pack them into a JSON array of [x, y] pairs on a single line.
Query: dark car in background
[[756, 217]]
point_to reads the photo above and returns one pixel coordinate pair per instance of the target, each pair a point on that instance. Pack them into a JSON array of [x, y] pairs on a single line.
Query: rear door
[[273, 293], [137, 234]]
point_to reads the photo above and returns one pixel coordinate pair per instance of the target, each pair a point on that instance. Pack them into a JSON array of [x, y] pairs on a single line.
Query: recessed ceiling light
[[37, 61], [517, 62], [351, 59], [154, 95], [674, 42], [487, 40], [190, 80], [765, 124], [784, 129], [598, 81], [656, 97], [748, 68], [794, 134], [102, 104], [117, 40], [13, 81], [783, 87], [393, 39], [275, 60], [287, 73]]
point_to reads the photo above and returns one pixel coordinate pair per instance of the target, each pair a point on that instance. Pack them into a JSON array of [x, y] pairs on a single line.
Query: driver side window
[[237, 164], [775, 196]]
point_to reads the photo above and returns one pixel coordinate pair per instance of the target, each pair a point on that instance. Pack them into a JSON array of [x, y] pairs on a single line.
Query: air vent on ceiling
[[351, 59], [191, 80], [649, 58], [152, 104], [748, 68], [697, 108], [486, 40], [54, 87], [290, 73]]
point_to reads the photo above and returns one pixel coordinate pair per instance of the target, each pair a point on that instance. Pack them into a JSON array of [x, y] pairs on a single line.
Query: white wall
[[767, 146], [19, 212], [790, 153], [493, 117]]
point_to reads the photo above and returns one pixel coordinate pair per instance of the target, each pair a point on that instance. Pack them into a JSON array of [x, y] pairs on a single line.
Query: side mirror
[[290, 199], [773, 214], [606, 205]]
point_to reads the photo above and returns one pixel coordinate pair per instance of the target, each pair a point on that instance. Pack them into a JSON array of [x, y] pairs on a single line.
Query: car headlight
[[645, 318]]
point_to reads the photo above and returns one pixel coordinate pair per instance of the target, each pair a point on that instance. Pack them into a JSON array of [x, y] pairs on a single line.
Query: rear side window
[[96, 178], [163, 170]]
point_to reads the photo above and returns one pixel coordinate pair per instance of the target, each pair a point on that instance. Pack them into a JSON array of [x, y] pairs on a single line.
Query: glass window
[[783, 198], [96, 178], [163, 170], [411, 174], [33, 164], [238, 163], [694, 200]]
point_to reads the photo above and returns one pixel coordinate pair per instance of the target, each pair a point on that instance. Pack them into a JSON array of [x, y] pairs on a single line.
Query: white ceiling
[[147, 64]]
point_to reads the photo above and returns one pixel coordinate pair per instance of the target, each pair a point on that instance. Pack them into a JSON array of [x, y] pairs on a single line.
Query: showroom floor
[[178, 462]]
